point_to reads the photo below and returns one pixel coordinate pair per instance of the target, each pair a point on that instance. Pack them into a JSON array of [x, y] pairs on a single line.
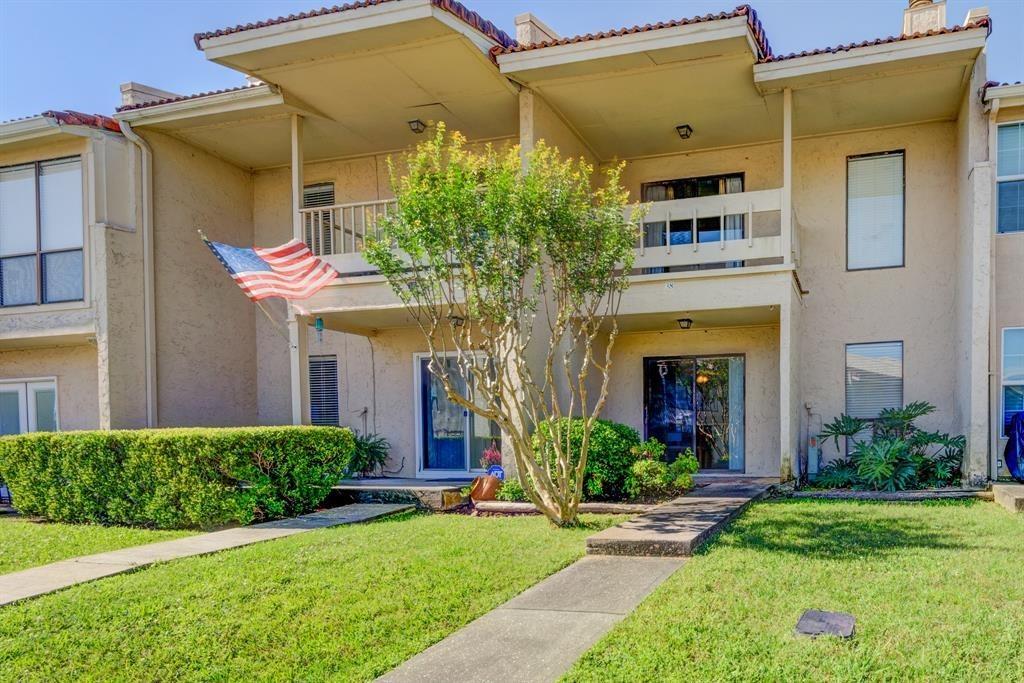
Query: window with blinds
[[319, 226], [874, 211], [874, 378], [323, 390], [1010, 178]]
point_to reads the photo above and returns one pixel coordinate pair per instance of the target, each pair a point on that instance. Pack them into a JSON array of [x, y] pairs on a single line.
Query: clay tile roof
[[985, 22], [455, 8], [179, 98], [76, 118], [756, 30]]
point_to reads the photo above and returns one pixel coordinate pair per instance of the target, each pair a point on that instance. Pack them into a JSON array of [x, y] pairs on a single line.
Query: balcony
[[339, 233]]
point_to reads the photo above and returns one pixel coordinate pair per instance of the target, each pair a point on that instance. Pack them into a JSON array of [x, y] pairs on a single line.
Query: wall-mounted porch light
[[685, 130], [685, 323], [417, 126]]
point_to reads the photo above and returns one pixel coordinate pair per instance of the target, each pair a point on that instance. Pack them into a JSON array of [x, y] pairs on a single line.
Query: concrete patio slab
[[544, 630], [48, 578], [681, 526], [1010, 496]]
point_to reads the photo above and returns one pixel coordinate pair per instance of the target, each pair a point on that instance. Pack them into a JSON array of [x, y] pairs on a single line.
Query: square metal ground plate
[[817, 623]]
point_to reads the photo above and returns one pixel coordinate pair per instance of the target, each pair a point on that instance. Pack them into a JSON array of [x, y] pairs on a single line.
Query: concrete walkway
[[30, 583], [680, 526], [540, 633]]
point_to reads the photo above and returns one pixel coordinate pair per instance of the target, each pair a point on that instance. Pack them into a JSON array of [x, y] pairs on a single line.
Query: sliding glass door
[[697, 403], [452, 439]]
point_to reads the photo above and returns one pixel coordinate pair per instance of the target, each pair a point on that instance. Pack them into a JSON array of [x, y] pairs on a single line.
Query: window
[[41, 233], [1010, 178], [319, 225], [28, 406], [323, 390], [1012, 374], [874, 378], [708, 228], [874, 211]]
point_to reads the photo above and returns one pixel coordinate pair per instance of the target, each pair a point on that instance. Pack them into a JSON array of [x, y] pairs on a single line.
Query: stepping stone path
[[30, 583]]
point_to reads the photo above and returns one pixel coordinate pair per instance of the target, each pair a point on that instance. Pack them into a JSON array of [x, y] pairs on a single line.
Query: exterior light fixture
[[457, 320], [417, 126], [702, 379], [685, 323], [685, 130]]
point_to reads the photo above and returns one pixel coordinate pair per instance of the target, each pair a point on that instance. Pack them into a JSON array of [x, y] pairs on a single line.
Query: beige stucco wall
[[759, 345], [75, 370], [913, 304], [206, 348]]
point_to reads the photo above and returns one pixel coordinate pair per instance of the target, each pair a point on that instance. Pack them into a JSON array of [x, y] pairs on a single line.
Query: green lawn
[[345, 604], [937, 591], [25, 544]]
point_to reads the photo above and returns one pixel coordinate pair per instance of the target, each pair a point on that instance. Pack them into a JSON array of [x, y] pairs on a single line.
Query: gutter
[[147, 269]]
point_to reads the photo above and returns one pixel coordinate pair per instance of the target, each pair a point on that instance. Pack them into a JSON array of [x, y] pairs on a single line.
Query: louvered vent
[[323, 390], [319, 227]]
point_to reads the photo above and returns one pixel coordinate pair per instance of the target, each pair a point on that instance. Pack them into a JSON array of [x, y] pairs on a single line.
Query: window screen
[[321, 194], [874, 211], [874, 378], [1010, 177], [1012, 374], [323, 390]]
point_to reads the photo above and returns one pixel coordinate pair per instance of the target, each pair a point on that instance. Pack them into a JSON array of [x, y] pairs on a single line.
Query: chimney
[[922, 16], [530, 29], [253, 80], [138, 93]]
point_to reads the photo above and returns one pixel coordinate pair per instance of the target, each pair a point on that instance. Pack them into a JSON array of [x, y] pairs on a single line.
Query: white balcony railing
[[343, 228], [748, 228]]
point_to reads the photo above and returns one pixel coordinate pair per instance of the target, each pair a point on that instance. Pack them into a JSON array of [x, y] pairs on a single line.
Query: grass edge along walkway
[[31, 583]]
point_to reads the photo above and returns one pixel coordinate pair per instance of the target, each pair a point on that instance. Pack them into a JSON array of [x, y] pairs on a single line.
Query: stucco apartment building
[[839, 230]]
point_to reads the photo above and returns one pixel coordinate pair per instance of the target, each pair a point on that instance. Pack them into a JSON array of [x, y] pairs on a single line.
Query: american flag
[[289, 271]]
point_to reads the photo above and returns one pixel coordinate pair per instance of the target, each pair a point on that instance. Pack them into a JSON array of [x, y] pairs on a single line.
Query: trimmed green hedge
[[174, 478]]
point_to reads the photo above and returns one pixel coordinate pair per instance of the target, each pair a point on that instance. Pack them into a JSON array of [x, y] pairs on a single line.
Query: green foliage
[[174, 478], [651, 449], [369, 454], [511, 491], [609, 454], [653, 478], [897, 456]]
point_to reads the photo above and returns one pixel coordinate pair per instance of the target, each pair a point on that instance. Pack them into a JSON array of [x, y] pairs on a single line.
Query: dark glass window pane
[[18, 281], [1011, 206], [63, 279], [1013, 402]]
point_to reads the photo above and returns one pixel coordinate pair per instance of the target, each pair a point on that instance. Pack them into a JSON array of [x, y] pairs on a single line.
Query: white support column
[[787, 176], [789, 387], [297, 162], [298, 352]]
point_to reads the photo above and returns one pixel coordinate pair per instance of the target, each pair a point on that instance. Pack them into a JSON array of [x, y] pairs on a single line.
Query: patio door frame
[[695, 358], [25, 389], [421, 472]]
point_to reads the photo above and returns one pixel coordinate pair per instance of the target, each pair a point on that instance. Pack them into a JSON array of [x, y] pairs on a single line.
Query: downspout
[[149, 305]]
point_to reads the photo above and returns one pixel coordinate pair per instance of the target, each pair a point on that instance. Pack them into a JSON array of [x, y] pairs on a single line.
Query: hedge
[[174, 478], [609, 455]]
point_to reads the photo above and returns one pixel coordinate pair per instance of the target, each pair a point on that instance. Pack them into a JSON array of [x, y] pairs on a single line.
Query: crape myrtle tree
[[512, 272]]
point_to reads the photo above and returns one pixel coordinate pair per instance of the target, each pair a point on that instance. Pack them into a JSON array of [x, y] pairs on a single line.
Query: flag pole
[[259, 304]]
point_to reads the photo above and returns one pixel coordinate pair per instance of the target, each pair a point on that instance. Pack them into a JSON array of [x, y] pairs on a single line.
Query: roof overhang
[[694, 41], [51, 126], [890, 83], [1007, 95]]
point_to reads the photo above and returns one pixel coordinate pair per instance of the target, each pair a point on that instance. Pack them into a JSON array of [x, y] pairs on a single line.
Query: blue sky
[[72, 54]]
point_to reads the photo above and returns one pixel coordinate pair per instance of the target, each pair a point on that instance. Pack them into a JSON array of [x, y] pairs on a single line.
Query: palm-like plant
[[842, 427]]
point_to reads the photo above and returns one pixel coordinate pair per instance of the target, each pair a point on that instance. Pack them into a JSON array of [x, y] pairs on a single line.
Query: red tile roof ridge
[[756, 29], [453, 7], [70, 117], [180, 98], [984, 22]]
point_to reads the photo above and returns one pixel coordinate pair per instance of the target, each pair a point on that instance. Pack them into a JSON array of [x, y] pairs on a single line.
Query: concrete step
[[1010, 496], [681, 526]]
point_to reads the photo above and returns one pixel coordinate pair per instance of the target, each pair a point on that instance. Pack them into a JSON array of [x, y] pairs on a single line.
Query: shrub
[[651, 478], [174, 478], [609, 455], [890, 453], [511, 491], [369, 455]]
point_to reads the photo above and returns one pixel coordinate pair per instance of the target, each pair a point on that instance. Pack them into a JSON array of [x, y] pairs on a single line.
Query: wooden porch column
[[787, 175]]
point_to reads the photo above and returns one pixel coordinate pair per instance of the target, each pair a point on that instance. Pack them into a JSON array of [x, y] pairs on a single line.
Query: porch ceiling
[[750, 316]]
